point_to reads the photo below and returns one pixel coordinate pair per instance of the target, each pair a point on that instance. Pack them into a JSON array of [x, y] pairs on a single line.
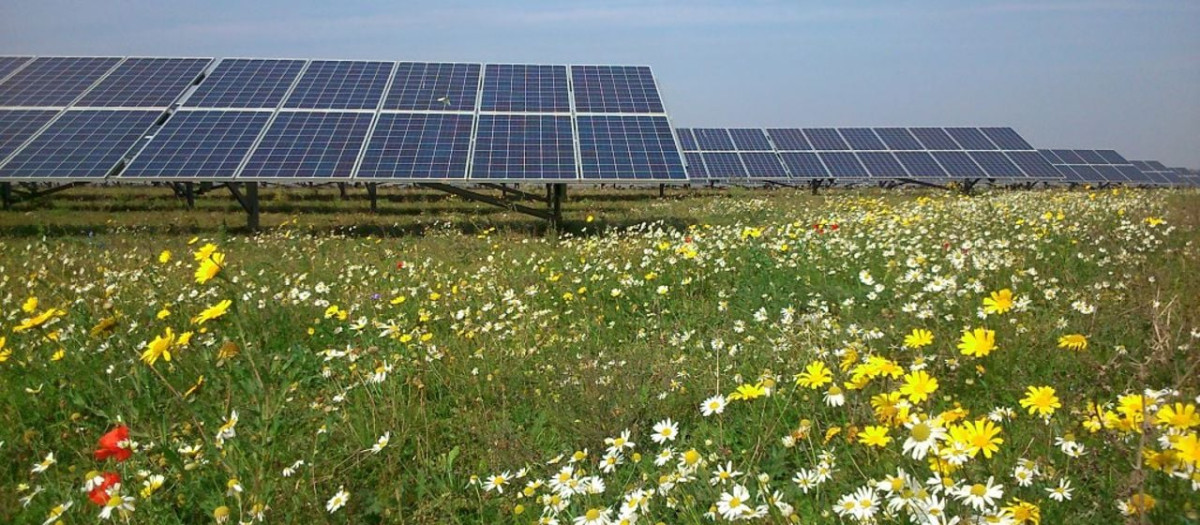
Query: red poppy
[[833, 226], [99, 494], [399, 265], [114, 444]]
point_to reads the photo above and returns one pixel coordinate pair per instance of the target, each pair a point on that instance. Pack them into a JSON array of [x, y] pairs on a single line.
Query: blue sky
[[1102, 74]]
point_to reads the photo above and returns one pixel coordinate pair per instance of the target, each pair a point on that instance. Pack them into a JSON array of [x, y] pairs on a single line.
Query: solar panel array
[[1082, 166], [294, 120], [862, 153], [1161, 174]]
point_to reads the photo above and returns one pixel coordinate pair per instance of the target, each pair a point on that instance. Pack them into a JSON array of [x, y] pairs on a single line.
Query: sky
[[1082, 74]]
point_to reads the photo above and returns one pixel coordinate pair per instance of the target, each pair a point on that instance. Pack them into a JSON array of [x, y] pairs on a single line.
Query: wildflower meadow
[[915, 356]]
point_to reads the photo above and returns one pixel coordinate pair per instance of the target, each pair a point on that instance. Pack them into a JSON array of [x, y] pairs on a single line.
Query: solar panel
[[516, 147], [898, 139], [996, 164], [971, 138], [934, 139], [615, 89], [18, 126], [145, 83], [862, 139], [789, 139], [713, 139], [525, 88], [882, 164], [418, 146], [749, 139], [1157, 165], [1069, 156], [1089, 174], [246, 83], [199, 145], [309, 144], [1111, 156], [804, 165], [1112, 174], [80, 144], [1090, 156], [825, 139], [1006, 138], [843, 165], [920, 164], [687, 139], [1142, 177], [425, 86], [1033, 164], [53, 81], [1050, 157], [958, 164], [723, 165], [8, 64], [340, 84], [695, 165], [629, 148], [763, 165]]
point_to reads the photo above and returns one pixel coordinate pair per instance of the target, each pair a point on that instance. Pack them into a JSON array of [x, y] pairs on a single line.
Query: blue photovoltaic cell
[[1006, 138], [1158, 166], [934, 139], [762, 165], [749, 139], [1111, 156], [695, 165], [1033, 164], [418, 146], [628, 148], [1090, 156], [971, 138], [687, 139], [1153, 177], [789, 139], [804, 165], [724, 165], [1069, 174], [524, 147], [1068, 156], [1110, 173], [995, 164], [882, 164], [246, 83], [958, 164], [825, 139], [199, 145], [8, 64], [898, 139], [862, 139], [843, 165], [427, 86], [920, 164], [525, 88], [615, 89], [1050, 157], [53, 81], [340, 84], [713, 139], [18, 126], [1089, 174], [145, 83], [309, 144], [81, 144], [1141, 165]]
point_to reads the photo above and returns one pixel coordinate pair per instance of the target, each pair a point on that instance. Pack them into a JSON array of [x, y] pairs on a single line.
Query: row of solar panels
[[77, 118], [931, 154]]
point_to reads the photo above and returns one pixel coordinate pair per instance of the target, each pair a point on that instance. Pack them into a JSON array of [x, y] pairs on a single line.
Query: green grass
[[514, 345]]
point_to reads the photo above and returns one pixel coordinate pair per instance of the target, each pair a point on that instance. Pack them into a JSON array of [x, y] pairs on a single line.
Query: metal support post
[[252, 206], [371, 192], [189, 192], [814, 185], [559, 192], [662, 191], [6, 194], [342, 189]]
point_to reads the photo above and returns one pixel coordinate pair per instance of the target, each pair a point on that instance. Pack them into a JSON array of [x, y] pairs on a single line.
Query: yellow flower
[[164, 257], [748, 392], [183, 340], [212, 312], [30, 305], [874, 436], [4, 353], [980, 436], [1073, 342], [105, 325], [918, 338], [815, 375], [209, 268], [1024, 512], [163, 314], [1180, 416], [918, 385], [205, 252], [978, 342], [999, 302], [1040, 399], [38, 320], [1189, 449], [159, 347]]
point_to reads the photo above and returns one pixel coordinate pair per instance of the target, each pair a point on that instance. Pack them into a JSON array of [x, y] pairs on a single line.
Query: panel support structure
[[6, 194], [505, 189], [488, 199], [249, 202], [372, 193], [920, 183]]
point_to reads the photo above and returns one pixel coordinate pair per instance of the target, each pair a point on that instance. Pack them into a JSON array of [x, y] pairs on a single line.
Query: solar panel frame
[[145, 82], [804, 164], [614, 147], [525, 88], [971, 139], [10, 64], [750, 139], [724, 165], [307, 145], [881, 164], [862, 139], [49, 82], [615, 89], [789, 139], [341, 85], [826, 139], [246, 83], [545, 144], [199, 145], [763, 165], [899, 139], [713, 139], [18, 126], [84, 144], [934, 139], [418, 146]]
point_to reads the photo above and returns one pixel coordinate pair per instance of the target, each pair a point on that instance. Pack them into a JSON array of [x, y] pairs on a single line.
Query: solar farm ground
[[740, 353]]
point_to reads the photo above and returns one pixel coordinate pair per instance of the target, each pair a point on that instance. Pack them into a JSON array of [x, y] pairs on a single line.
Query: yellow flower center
[[592, 514], [921, 431], [978, 490], [735, 503]]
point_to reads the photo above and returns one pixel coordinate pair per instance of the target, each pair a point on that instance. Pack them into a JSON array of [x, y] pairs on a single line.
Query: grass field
[[904, 356]]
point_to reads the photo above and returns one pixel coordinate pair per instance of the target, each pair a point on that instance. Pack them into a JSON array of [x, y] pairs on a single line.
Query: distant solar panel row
[[1094, 166], [857, 153]]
